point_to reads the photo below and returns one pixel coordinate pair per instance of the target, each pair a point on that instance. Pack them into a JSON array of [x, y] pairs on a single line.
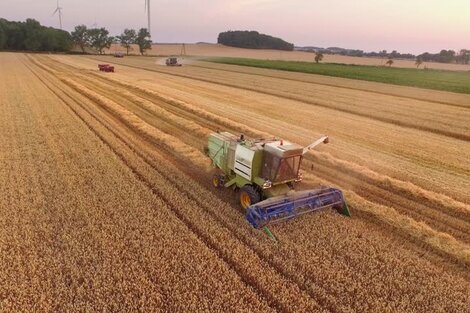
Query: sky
[[413, 26]]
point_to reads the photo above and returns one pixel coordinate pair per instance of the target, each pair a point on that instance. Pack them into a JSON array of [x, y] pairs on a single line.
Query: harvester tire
[[248, 196], [217, 181]]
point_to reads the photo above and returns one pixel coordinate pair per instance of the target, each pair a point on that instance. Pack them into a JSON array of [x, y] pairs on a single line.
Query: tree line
[[253, 40], [446, 56], [357, 53], [99, 39], [32, 36]]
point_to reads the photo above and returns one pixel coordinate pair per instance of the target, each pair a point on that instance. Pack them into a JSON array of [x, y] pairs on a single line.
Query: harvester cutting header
[[266, 171]]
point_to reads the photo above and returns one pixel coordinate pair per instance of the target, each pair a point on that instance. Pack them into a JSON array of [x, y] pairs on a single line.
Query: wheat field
[[107, 202]]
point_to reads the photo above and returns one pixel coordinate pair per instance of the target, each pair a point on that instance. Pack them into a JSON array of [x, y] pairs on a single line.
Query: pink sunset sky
[[405, 25]]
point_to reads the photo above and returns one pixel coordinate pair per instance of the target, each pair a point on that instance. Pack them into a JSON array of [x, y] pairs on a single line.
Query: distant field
[[453, 81], [216, 50]]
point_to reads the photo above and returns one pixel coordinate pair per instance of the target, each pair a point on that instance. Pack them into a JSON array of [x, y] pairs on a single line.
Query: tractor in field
[[265, 172], [172, 61], [106, 68]]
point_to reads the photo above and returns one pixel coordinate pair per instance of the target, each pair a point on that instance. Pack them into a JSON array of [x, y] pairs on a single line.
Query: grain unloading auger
[[265, 171]]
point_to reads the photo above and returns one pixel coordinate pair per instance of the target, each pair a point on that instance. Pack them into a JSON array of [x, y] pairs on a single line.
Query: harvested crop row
[[149, 106], [421, 202], [283, 259], [158, 116], [438, 118], [448, 98], [450, 206], [382, 197], [170, 142], [153, 115]]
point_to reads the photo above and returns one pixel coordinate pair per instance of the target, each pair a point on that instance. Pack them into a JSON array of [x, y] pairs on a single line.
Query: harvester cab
[[266, 172]]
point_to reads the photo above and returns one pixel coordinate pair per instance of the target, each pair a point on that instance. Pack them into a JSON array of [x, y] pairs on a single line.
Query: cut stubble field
[[106, 200]]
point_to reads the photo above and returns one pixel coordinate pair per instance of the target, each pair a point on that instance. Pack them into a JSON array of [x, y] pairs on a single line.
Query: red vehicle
[[106, 68]]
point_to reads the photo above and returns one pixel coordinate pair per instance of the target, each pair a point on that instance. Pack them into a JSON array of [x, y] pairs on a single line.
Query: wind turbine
[[147, 8], [58, 9]]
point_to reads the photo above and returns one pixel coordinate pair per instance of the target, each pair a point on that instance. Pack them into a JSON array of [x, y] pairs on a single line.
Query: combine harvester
[[265, 172], [172, 61]]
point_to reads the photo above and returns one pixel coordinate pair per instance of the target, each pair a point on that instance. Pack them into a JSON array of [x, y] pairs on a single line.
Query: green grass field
[[454, 81]]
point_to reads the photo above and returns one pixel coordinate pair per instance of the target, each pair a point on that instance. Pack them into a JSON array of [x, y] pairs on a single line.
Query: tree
[[63, 40], [3, 35], [389, 62], [426, 57], [446, 56], [418, 62], [143, 40], [318, 57], [463, 56], [32, 36], [127, 38], [253, 40], [32, 30], [394, 54], [100, 39], [81, 37]]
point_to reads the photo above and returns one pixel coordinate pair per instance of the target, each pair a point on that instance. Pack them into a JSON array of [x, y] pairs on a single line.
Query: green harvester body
[[266, 169]]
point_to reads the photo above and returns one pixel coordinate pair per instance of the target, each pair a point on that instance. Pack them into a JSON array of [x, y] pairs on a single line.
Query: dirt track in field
[[106, 175]]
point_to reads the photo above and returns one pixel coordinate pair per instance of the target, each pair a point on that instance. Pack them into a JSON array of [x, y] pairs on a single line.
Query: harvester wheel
[[248, 196], [217, 181]]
